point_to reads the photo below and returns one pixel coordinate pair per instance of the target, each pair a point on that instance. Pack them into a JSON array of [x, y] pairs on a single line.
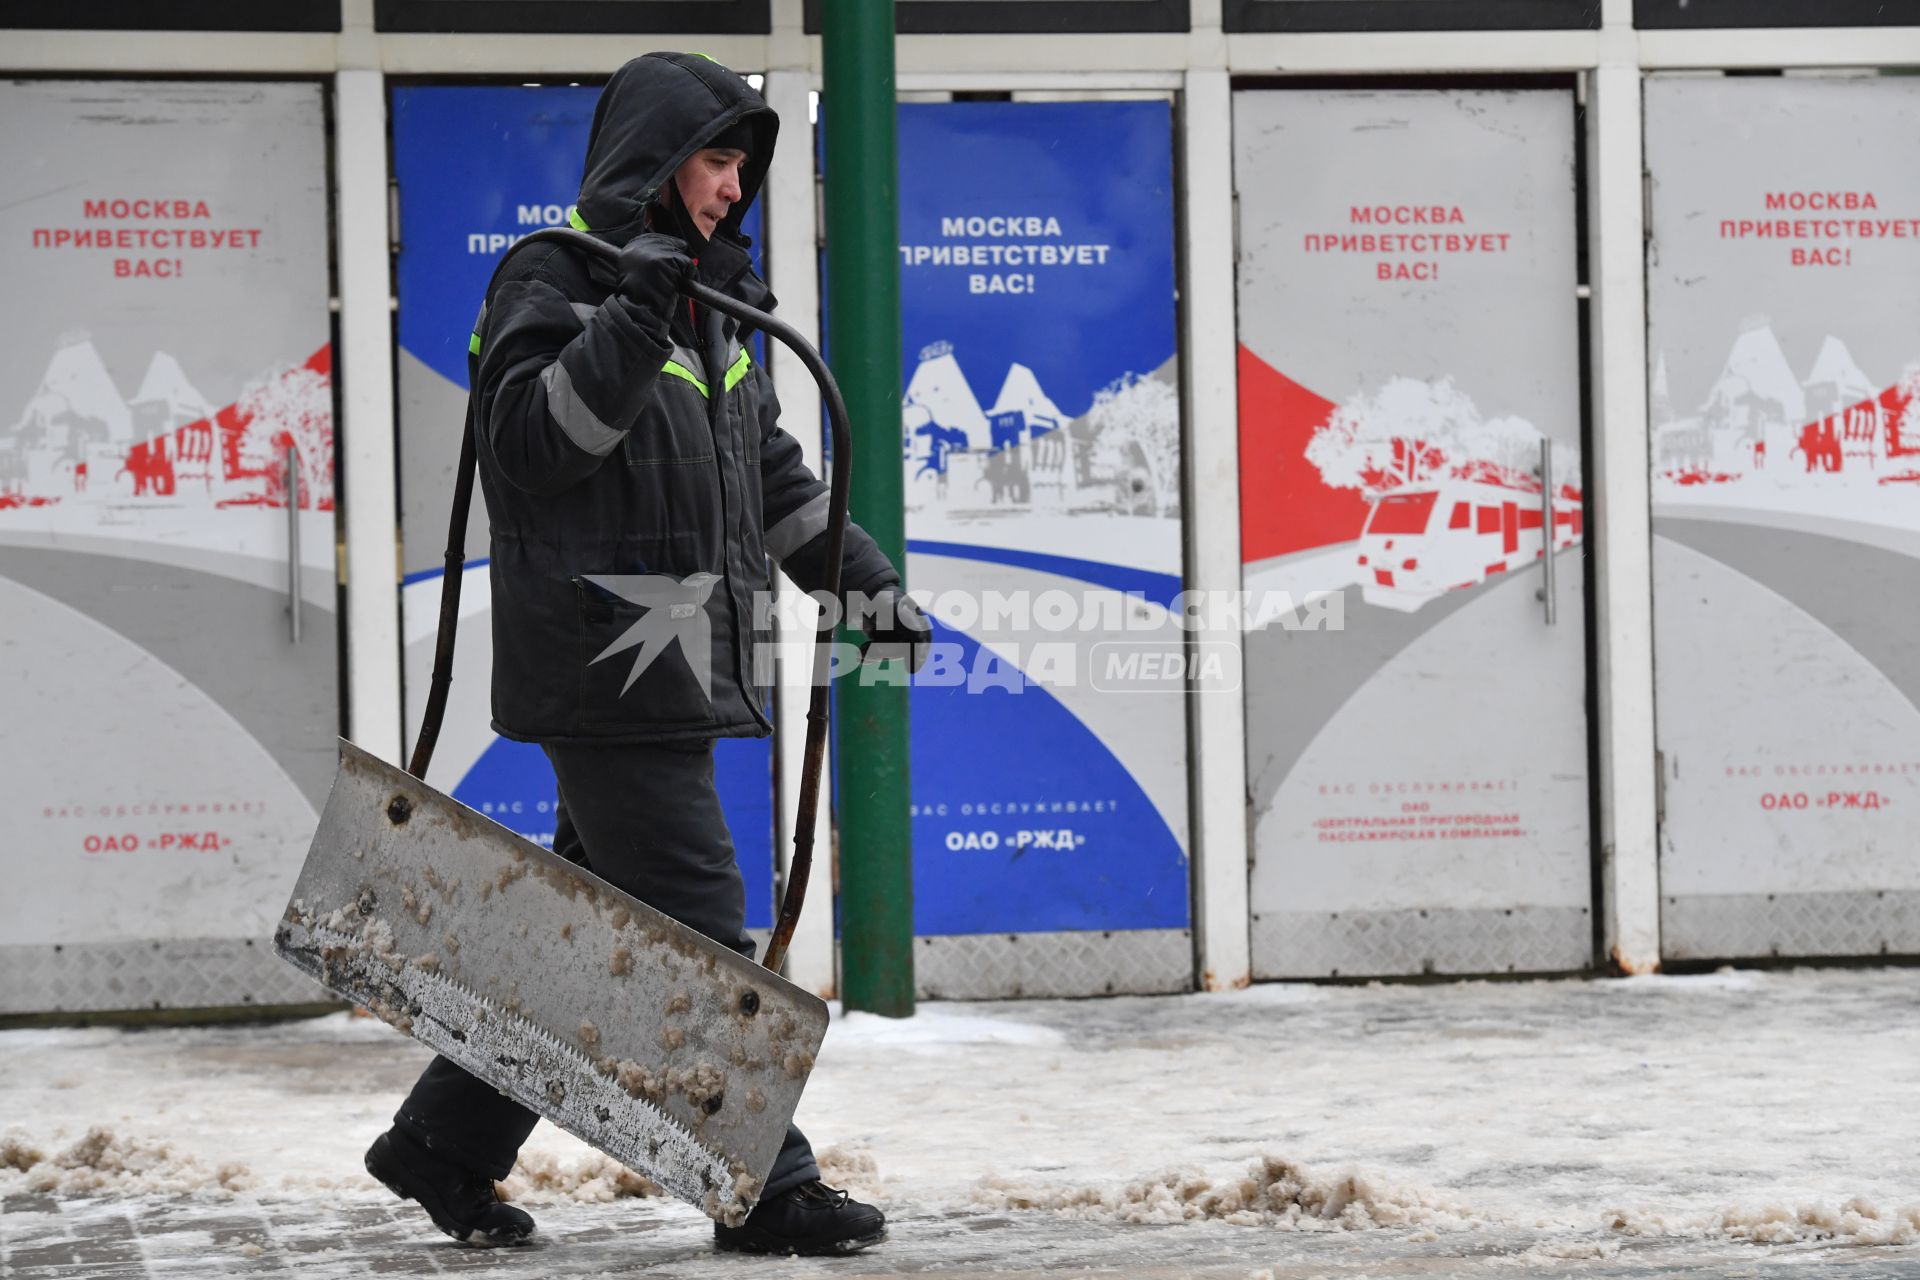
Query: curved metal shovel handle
[[800, 866]]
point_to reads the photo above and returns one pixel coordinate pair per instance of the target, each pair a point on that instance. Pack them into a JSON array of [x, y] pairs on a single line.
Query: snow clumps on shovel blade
[[1273, 1193]]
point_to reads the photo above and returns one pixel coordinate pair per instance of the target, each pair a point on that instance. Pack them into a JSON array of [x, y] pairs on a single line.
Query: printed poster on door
[[1410, 455], [166, 443], [1040, 437], [1784, 411], [477, 168]]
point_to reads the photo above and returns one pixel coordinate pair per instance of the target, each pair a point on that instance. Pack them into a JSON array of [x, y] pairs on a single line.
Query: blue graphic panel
[[1072, 204], [478, 166], [1040, 433], [1023, 820], [512, 783]]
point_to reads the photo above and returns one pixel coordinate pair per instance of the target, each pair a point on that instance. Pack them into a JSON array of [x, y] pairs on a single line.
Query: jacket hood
[[656, 111]]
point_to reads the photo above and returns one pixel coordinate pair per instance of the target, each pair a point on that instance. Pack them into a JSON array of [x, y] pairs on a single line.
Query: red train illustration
[[1432, 536]]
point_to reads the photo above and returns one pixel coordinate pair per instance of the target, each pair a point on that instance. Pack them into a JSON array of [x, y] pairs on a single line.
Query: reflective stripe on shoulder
[[678, 370], [681, 363], [738, 370], [574, 219]]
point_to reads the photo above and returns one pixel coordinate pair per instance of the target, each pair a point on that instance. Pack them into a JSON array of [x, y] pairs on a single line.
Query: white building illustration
[[1760, 418]]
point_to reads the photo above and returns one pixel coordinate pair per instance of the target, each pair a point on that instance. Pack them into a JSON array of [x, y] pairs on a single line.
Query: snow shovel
[[668, 1051]]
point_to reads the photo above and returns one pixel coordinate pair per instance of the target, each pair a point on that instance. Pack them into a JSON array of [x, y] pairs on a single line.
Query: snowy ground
[[1736, 1124]]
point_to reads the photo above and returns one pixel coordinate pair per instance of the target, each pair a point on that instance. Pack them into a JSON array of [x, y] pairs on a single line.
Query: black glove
[[896, 629], [652, 269]]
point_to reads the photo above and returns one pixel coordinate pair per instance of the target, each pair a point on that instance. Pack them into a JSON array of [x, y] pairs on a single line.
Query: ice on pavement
[[934, 1026], [1559, 1121]]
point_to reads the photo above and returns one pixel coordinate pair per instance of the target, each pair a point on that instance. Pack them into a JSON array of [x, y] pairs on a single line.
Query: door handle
[[293, 541], [1546, 592]]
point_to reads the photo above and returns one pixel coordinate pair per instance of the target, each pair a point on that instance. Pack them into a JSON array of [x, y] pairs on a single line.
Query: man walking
[[633, 466]]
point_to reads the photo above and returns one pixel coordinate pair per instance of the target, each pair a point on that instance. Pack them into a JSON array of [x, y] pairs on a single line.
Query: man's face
[[709, 184]]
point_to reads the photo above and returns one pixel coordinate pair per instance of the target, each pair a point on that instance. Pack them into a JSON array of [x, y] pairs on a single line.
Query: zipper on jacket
[[730, 513]]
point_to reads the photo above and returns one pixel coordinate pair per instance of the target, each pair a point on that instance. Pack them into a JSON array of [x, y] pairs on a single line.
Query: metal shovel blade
[[677, 1057]]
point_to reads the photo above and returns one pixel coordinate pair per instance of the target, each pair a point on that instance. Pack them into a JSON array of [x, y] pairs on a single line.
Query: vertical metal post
[[1210, 441], [369, 505], [863, 344], [1622, 540]]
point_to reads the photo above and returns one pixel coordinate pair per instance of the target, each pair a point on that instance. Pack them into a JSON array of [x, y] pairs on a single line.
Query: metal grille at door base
[[1755, 925], [183, 973], [992, 966], [1321, 944]]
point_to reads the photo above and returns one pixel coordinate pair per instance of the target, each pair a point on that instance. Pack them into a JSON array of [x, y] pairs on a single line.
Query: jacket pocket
[[646, 652], [670, 487], [672, 430]]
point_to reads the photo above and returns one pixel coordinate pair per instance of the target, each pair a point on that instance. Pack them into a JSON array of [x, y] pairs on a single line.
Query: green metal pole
[[863, 343]]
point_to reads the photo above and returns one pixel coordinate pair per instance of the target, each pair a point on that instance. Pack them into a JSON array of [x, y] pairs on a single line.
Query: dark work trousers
[[645, 818]]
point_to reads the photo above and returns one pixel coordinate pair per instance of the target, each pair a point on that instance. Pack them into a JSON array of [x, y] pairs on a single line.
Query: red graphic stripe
[[1284, 505]]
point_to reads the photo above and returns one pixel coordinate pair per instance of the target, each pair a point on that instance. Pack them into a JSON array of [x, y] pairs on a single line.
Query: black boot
[[461, 1202], [810, 1219]]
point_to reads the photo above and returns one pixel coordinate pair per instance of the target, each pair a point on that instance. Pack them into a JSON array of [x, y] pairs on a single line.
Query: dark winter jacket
[[636, 486]]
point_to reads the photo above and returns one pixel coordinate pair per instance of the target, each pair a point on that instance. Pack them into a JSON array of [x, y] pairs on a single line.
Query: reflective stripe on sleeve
[[579, 422], [799, 528]]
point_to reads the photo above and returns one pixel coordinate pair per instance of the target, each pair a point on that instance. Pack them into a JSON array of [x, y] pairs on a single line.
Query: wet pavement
[[1733, 1124]]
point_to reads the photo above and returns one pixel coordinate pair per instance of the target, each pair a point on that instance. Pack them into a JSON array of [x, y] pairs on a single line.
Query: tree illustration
[[1906, 432], [1398, 434], [293, 407], [1143, 412]]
